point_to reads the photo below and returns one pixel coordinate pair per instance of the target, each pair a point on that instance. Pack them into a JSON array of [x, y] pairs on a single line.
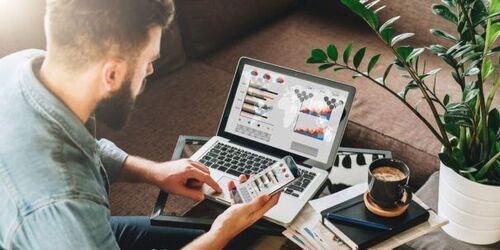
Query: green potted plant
[[468, 130]]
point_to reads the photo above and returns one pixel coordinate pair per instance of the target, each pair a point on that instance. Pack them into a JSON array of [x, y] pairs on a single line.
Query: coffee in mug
[[388, 183], [388, 174]]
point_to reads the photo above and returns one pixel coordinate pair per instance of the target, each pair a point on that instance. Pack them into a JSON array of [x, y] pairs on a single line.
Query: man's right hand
[[234, 220]]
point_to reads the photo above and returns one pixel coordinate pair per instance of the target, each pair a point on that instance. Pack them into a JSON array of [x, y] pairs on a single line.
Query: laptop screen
[[286, 112]]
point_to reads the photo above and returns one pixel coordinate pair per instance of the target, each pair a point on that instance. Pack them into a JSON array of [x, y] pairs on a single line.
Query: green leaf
[[332, 52], [487, 69], [325, 66], [400, 38], [312, 60], [471, 95], [450, 3], [347, 53], [444, 12], [494, 120], [478, 12], [444, 35], [358, 57], [379, 9], [446, 99], [459, 114], [415, 53], [372, 62], [437, 49], [387, 34], [357, 7], [470, 57], [448, 161], [468, 170], [472, 71], [319, 55], [388, 23], [404, 51], [386, 73], [356, 75], [411, 85]]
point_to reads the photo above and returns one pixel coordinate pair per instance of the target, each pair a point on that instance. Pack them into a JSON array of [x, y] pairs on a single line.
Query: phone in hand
[[270, 181]]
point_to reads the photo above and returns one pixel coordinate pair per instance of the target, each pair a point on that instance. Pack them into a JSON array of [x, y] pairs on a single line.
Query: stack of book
[[341, 221]]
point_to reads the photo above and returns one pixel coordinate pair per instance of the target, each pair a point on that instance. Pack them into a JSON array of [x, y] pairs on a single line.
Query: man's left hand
[[184, 177]]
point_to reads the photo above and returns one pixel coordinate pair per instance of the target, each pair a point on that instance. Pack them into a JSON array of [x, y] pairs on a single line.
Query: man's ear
[[113, 75]]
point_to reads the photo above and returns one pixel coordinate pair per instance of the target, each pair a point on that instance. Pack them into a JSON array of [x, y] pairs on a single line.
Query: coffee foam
[[388, 174]]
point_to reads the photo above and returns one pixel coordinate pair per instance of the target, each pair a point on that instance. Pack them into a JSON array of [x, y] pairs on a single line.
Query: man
[[54, 174]]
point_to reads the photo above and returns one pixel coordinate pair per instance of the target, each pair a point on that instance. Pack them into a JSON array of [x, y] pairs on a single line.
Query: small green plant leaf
[[444, 12], [325, 66], [332, 52], [372, 63], [487, 68], [388, 23], [411, 85], [387, 34], [358, 57], [450, 3], [478, 12], [400, 38], [404, 51], [437, 49], [471, 95], [347, 53], [468, 170], [470, 57], [379, 9], [494, 120], [444, 35], [312, 60], [357, 7], [386, 73], [319, 55], [446, 99], [415, 53], [356, 75], [472, 71], [459, 114], [448, 161]]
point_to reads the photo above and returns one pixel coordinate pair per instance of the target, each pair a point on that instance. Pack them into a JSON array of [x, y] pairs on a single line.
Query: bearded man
[[54, 173]]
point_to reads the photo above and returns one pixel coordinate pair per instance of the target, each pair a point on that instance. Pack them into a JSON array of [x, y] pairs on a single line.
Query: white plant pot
[[473, 209]]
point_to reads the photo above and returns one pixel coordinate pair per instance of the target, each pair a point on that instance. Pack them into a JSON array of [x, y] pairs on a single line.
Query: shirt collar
[[54, 109]]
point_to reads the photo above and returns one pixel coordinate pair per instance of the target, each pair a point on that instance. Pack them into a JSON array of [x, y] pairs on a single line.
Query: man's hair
[[84, 31]]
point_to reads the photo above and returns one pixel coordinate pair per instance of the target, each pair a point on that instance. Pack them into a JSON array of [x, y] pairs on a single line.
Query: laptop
[[271, 112]]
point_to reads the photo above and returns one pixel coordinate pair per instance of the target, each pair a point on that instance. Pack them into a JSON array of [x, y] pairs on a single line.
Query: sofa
[[199, 54]]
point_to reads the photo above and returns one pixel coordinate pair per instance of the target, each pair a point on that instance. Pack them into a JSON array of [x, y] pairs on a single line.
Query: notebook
[[360, 237]]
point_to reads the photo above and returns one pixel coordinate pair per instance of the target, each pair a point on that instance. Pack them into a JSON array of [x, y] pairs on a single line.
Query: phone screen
[[271, 180]]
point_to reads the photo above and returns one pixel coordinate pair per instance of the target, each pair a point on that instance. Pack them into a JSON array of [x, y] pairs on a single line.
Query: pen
[[355, 221]]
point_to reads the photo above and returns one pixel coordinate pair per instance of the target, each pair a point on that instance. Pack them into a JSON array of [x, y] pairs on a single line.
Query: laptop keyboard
[[236, 161]]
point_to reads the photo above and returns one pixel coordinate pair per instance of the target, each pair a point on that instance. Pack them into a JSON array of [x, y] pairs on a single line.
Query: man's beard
[[114, 111]]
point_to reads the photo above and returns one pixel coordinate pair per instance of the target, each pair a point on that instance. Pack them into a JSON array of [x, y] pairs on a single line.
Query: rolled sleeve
[[112, 158]]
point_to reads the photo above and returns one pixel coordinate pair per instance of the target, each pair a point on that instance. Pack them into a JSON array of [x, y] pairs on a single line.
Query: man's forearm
[[138, 170]]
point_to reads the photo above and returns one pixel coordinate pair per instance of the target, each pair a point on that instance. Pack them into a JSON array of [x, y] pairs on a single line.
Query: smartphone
[[270, 181]]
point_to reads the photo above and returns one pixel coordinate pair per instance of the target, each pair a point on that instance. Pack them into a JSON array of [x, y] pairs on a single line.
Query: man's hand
[[234, 220], [183, 177]]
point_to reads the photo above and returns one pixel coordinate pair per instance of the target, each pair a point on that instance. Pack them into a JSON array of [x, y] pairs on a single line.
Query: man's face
[[114, 110]]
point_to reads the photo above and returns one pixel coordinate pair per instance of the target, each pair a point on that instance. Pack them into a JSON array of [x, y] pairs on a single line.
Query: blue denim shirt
[[54, 174]]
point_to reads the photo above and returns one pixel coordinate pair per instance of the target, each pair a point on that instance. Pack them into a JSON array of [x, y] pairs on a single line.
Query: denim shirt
[[54, 174]]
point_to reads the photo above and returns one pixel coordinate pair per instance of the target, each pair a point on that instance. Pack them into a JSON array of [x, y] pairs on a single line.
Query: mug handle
[[409, 195]]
